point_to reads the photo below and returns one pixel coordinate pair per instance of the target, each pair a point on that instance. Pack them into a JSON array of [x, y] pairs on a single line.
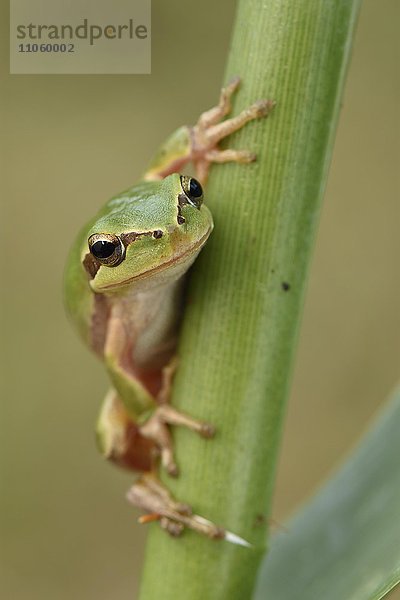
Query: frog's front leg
[[199, 143]]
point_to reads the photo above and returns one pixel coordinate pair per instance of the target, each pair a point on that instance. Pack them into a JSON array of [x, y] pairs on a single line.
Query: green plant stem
[[246, 292]]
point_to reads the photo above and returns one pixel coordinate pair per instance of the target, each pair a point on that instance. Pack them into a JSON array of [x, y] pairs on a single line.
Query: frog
[[124, 290]]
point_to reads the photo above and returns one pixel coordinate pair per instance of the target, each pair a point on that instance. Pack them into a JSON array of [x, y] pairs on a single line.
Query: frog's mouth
[[178, 259]]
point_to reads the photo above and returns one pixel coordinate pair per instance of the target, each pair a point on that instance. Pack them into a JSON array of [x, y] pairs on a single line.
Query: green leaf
[[345, 543]]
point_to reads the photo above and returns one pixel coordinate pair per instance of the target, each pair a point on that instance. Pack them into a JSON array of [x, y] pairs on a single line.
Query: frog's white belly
[[151, 318], [149, 312]]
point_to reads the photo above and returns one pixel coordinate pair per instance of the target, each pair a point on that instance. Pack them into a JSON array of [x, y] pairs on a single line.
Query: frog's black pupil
[[195, 188], [103, 249]]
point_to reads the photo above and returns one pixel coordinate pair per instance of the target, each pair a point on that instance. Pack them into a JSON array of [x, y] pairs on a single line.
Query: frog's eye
[[107, 248], [193, 190]]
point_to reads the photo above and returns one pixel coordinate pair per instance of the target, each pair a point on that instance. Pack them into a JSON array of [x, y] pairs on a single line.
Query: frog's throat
[[162, 267]]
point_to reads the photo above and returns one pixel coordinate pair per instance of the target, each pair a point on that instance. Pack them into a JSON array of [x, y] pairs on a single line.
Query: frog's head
[[149, 233]]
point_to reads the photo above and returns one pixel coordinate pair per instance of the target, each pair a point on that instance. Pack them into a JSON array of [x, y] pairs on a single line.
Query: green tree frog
[[123, 289]]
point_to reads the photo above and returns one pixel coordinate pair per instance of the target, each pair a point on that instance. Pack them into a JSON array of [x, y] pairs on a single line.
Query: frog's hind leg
[[150, 495], [170, 415], [156, 429], [119, 439], [156, 426], [136, 446], [143, 414]]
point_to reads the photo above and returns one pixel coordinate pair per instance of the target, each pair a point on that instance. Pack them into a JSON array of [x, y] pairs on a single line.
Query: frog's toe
[[172, 469], [262, 108], [183, 509], [172, 527], [207, 430]]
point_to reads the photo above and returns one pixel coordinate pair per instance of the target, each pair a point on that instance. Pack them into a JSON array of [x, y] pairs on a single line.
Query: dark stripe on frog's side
[[91, 265], [99, 323], [129, 238], [182, 201]]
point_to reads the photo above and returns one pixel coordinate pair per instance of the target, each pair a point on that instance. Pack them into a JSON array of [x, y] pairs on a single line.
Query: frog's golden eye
[[193, 190], [107, 248]]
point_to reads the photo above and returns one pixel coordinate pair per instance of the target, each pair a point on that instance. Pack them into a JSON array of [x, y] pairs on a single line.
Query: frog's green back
[[77, 293]]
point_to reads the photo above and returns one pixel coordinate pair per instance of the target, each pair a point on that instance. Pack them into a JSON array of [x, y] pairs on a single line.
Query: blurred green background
[[69, 143]]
